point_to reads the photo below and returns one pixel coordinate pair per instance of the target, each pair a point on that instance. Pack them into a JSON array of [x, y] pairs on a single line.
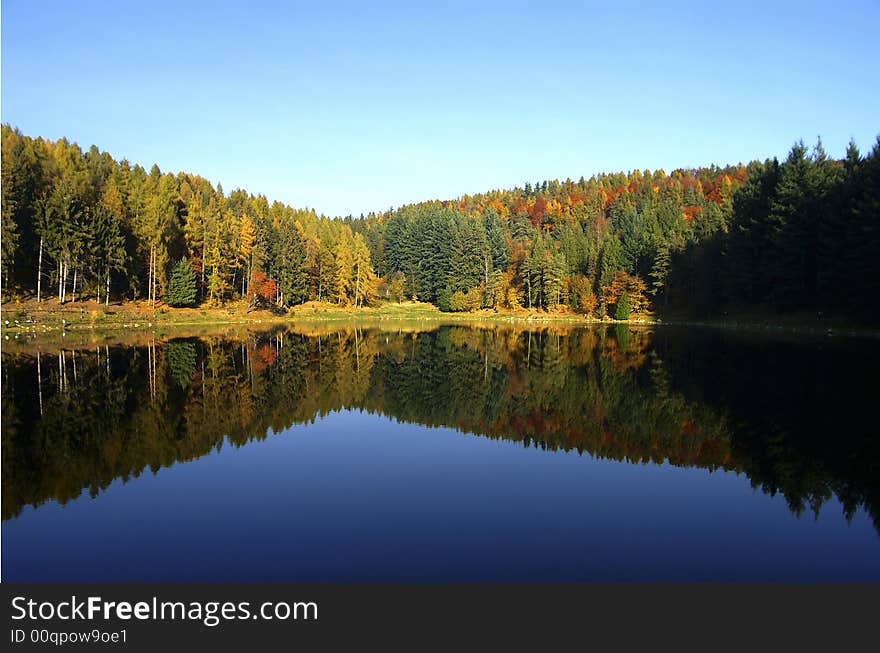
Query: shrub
[[473, 300], [458, 301]]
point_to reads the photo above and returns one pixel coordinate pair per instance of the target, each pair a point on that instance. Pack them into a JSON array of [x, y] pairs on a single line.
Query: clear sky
[[352, 107]]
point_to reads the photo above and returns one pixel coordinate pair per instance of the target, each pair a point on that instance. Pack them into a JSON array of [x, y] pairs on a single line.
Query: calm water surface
[[453, 454]]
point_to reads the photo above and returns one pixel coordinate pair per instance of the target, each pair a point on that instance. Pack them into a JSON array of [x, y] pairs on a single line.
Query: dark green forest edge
[[800, 236], [80, 418]]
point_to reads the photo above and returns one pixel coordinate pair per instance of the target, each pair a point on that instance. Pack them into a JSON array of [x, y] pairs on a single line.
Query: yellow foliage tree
[[246, 238], [634, 287]]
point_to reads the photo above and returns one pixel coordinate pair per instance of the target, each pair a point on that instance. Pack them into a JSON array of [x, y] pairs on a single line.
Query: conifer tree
[[621, 312], [182, 289]]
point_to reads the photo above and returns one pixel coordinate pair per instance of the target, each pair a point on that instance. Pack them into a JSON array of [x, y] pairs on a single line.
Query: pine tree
[[468, 257], [660, 271], [621, 312], [290, 256], [496, 240], [182, 285]]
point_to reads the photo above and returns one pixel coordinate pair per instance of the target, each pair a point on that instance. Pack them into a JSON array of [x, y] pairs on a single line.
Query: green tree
[[109, 255], [469, 255], [182, 290], [496, 240], [660, 271], [622, 310], [290, 259]]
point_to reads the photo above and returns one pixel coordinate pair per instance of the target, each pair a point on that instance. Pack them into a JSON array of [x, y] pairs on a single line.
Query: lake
[[450, 453]]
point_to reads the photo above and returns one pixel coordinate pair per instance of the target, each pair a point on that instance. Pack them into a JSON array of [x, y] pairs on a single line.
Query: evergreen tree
[[182, 290], [748, 248], [290, 266], [622, 310], [496, 240], [469, 255], [659, 271]]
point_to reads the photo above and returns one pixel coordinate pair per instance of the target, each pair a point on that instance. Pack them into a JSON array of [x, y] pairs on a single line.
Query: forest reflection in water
[[788, 414]]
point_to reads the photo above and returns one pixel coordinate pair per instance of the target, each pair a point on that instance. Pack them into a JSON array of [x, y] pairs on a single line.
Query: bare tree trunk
[[153, 290], [73, 287], [64, 284], [150, 276], [107, 288], [39, 269]]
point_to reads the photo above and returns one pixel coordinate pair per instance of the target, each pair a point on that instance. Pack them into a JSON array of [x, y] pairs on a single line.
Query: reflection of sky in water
[[360, 497]]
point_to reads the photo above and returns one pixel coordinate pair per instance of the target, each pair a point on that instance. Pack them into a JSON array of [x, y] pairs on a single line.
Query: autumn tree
[[246, 239], [630, 286]]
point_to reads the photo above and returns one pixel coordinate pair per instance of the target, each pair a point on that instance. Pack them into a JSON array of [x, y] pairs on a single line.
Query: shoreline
[[51, 319], [50, 316]]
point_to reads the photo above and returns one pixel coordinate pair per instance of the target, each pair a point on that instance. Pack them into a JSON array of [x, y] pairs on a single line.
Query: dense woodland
[[802, 234], [80, 418]]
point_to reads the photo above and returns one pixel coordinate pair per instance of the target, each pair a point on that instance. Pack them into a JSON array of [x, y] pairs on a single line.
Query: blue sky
[[352, 107]]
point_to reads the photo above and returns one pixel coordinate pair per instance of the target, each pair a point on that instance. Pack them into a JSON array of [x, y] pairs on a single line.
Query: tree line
[[80, 224], [800, 234]]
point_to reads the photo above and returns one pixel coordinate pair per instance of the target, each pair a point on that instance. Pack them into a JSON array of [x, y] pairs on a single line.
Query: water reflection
[[788, 414]]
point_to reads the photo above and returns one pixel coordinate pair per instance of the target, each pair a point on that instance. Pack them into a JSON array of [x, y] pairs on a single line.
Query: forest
[[78, 418], [797, 235]]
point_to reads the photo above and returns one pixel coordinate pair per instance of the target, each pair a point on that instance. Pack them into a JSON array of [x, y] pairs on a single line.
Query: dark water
[[462, 454]]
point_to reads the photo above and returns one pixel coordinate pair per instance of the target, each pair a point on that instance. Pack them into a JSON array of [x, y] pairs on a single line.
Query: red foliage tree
[[262, 286]]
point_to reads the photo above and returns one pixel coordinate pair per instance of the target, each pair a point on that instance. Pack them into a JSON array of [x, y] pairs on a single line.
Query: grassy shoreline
[[86, 324], [47, 318], [30, 316]]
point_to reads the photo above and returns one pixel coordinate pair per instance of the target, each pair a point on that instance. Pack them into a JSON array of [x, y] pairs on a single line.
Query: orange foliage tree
[[634, 287]]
